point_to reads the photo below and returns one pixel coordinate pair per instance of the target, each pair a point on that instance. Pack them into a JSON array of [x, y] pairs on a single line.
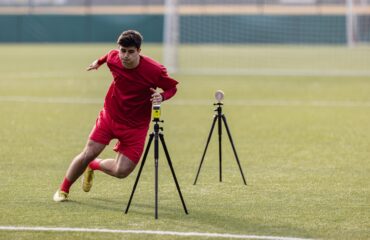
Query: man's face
[[129, 56]]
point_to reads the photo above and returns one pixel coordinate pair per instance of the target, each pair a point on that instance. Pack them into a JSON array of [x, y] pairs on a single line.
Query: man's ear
[[139, 50]]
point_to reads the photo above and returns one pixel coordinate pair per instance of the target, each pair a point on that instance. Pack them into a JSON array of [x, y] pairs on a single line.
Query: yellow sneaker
[[87, 179], [60, 196]]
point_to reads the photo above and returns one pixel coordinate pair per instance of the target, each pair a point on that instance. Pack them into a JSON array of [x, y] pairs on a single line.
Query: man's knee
[[124, 166], [122, 173]]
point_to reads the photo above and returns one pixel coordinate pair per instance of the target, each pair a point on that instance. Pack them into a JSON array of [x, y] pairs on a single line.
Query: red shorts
[[130, 140]]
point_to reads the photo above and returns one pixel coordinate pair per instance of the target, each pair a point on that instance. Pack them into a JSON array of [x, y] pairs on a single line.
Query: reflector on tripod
[[219, 95]]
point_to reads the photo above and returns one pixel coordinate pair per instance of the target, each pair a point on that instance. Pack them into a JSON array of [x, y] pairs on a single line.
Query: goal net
[[304, 37]]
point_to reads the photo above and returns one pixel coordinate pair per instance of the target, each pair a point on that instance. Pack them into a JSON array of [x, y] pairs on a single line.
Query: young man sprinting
[[125, 116]]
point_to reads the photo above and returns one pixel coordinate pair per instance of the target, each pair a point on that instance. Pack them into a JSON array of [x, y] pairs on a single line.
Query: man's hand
[[156, 97], [93, 65]]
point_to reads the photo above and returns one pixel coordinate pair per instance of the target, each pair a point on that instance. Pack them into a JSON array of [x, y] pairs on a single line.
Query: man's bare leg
[[77, 167], [81, 161], [120, 167]]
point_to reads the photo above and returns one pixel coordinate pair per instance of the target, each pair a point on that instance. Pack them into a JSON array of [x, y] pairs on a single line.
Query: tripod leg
[[232, 144], [156, 156], [173, 171], [139, 173], [220, 144], [205, 150]]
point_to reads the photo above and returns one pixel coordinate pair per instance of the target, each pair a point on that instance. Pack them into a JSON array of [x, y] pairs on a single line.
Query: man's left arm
[[167, 84], [169, 93], [157, 97]]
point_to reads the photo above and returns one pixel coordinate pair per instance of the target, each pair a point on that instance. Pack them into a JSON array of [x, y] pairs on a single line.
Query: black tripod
[[156, 134], [218, 117]]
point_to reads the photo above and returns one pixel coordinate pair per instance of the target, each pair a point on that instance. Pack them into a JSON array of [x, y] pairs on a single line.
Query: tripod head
[[156, 112], [219, 96], [218, 104]]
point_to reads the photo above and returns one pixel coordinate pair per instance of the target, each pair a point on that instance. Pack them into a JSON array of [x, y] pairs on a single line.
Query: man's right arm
[[97, 63]]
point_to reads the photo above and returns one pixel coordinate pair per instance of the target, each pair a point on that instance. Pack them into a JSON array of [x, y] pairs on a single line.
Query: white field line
[[276, 72], [149, 232], [192, 102]]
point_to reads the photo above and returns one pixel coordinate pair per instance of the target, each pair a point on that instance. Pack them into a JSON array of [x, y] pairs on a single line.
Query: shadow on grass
[[121, 205], [99, 205], [207, 221]]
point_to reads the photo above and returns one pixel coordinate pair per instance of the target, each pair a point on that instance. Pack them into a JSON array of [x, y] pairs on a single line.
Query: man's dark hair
[[130, 38]]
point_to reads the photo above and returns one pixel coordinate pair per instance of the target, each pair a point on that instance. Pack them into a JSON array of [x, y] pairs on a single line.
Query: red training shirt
[[128, 98]]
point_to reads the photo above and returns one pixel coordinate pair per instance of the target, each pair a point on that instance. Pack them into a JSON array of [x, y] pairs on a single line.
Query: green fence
[[319, 29], [77, 28]]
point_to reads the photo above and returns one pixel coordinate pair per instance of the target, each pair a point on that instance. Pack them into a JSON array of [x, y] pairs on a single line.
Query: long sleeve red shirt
[[128, 98]]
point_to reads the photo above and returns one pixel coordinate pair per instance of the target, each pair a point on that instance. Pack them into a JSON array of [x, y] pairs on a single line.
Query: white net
[[305, 37], [270, 37]]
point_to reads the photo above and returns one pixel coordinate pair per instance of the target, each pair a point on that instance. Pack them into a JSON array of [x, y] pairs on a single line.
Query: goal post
[[171, 35]]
